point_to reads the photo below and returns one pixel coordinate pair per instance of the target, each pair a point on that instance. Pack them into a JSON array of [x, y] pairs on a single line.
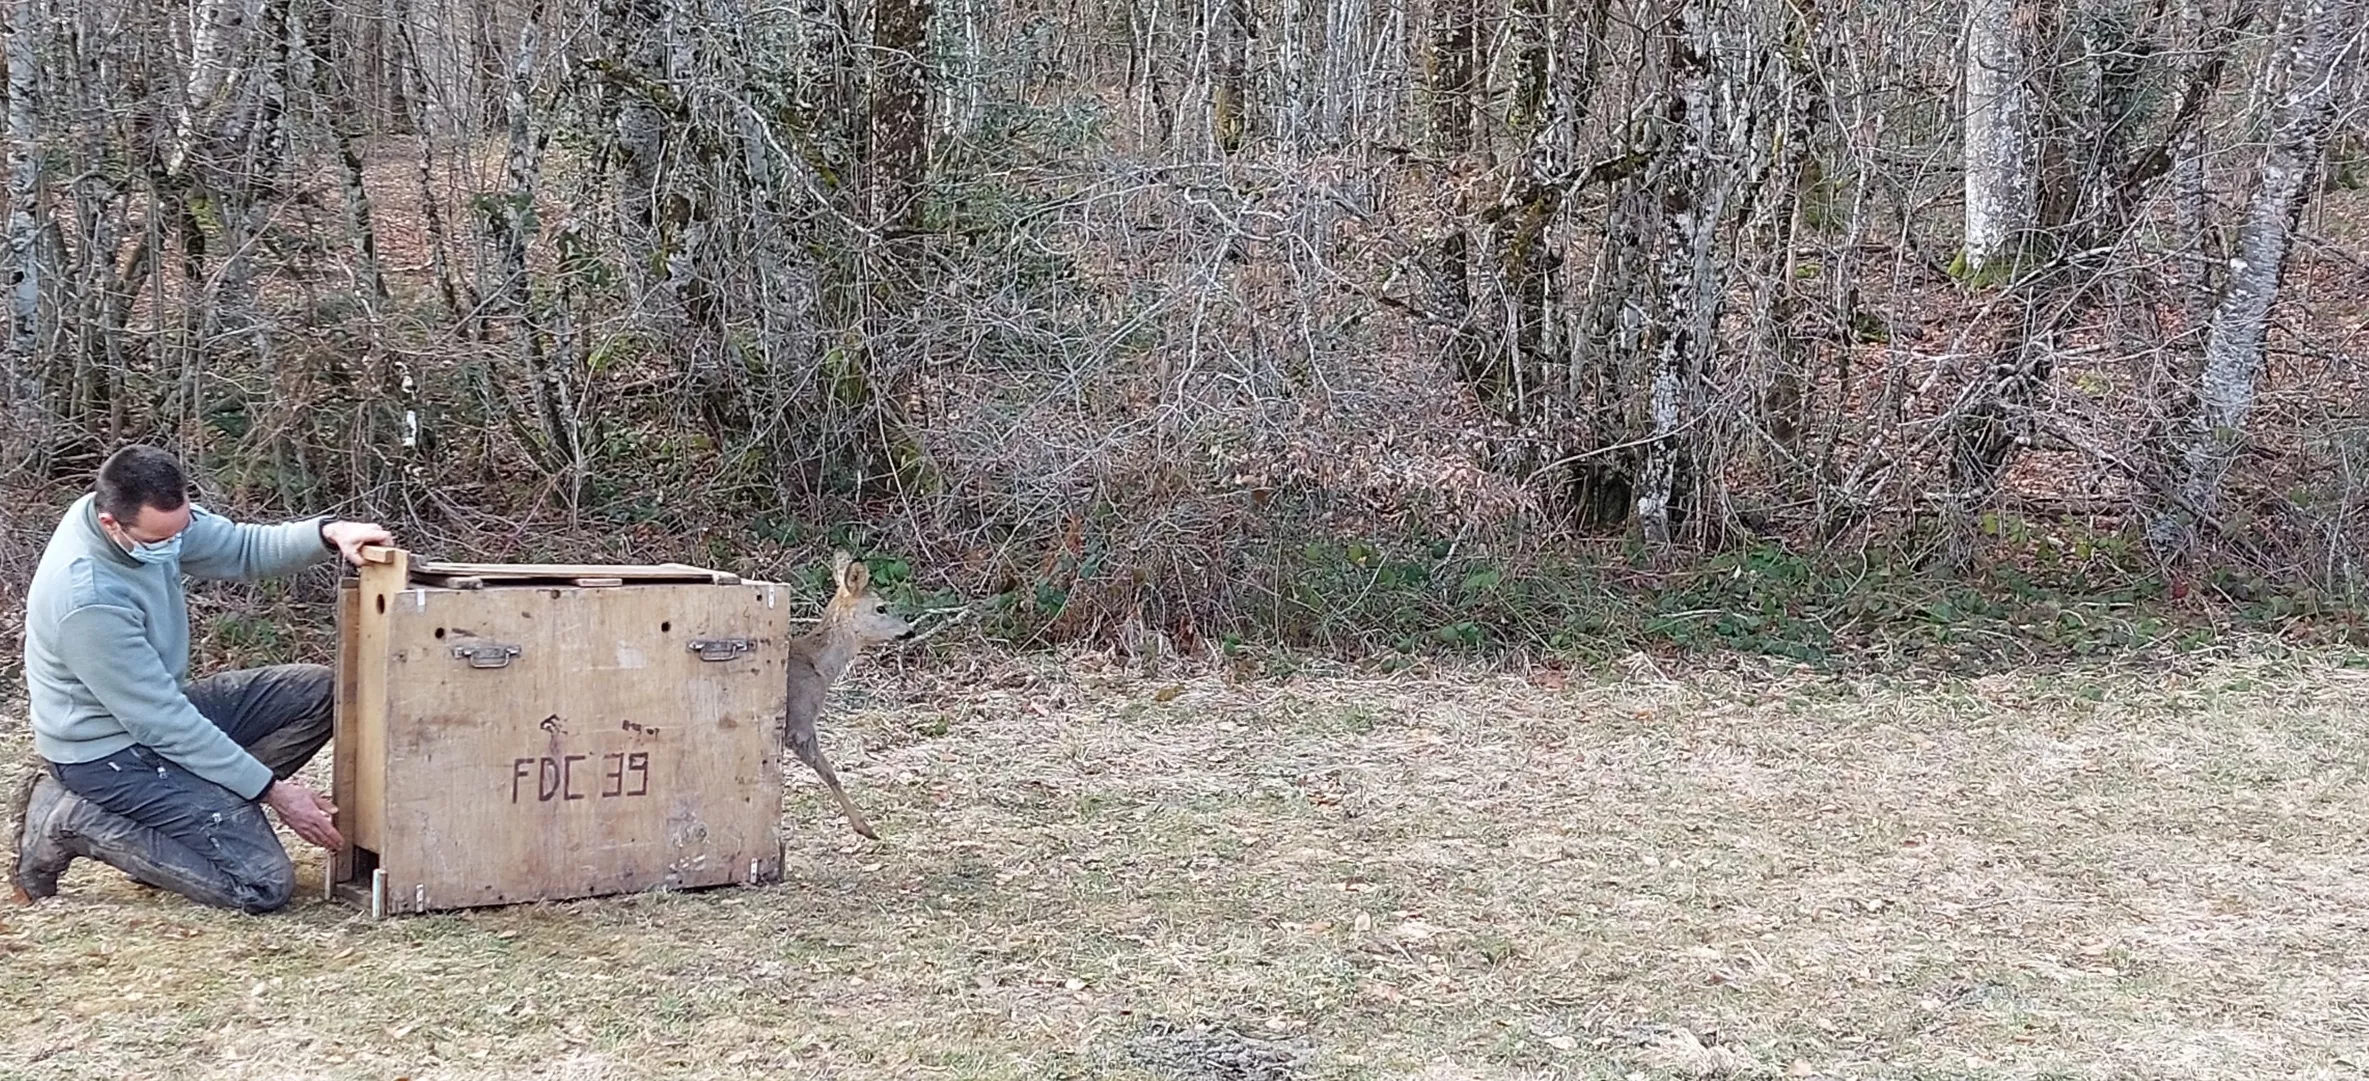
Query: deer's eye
[[880, 608]]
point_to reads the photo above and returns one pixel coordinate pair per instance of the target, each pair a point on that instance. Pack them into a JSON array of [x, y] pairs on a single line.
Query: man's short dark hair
[[137, 477]]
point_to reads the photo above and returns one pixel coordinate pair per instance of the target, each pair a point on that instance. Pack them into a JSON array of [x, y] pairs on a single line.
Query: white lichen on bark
[[2001, 169], [2318, 39]]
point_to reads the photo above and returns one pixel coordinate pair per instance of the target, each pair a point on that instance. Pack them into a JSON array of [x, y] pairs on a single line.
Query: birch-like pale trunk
[[1511, 286], [2001, 149], [965, 101], [2192, 278], [217, 36], [2318, 40], [1144, 92], [689, 189], [218, 59], [24, 186], [829, 70], [1345, 25], [1691, 204], [93, 307], [26, 26]]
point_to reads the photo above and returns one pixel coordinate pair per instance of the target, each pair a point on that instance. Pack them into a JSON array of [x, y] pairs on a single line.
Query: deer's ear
[[855, 578], [839, 562]]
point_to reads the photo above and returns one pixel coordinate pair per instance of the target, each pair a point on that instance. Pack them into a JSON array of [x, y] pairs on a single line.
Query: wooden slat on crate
[[566, 572], [382, 581], [512, 572], [344, 724]]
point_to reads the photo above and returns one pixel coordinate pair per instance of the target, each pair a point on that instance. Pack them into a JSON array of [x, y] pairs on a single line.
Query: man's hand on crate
[[350, 537], [305, 811]]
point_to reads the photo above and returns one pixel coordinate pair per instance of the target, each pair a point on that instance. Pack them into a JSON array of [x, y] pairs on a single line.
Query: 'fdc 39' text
[[554, 778]]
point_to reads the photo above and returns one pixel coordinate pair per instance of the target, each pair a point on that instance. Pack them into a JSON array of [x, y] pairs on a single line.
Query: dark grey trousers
[[174, 830]]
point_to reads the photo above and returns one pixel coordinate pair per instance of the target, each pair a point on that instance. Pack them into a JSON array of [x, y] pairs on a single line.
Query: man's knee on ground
[[262, 876], [266, 888]]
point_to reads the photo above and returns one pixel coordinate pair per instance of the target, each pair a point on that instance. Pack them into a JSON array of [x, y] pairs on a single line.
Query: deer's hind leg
[[803, 744]]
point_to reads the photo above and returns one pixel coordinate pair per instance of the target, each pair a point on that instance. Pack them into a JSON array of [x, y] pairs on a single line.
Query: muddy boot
[[34, 821]]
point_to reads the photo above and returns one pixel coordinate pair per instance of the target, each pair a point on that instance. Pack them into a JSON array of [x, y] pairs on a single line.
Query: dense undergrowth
[[2035, 594]]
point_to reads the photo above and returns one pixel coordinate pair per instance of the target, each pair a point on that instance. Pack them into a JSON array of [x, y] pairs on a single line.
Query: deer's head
[[856, 610]]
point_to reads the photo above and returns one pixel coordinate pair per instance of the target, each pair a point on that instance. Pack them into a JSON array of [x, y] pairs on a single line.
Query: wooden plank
[[599, 583], [383, 584], [342, 728], [632, 571], [723, 578], [637, 572], [603, 757]]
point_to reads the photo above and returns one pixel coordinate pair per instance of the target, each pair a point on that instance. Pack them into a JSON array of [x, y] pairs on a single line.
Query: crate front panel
[[605, 756]]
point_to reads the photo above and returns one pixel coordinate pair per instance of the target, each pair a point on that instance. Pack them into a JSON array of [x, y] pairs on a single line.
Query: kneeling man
[[139, 768]]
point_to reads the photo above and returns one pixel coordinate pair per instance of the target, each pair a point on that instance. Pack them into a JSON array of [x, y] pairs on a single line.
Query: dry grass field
[[1435, 876]]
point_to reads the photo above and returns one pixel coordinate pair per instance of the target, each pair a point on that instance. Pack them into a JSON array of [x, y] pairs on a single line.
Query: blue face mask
[[167, 550]]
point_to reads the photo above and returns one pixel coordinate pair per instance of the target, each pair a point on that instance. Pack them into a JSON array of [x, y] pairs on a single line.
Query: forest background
[[1973, 332]]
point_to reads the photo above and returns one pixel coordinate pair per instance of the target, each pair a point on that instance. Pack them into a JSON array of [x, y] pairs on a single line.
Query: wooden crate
[[524, 732]]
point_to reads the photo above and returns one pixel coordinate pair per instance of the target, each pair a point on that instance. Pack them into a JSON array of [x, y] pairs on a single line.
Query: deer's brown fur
[[854, 620]]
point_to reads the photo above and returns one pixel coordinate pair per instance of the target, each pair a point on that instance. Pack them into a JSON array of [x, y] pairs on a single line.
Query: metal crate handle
[[721, 649], [485, 655]]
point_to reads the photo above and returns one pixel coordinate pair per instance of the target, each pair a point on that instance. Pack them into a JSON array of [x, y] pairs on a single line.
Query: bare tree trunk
[[1688, 279], [218, 29], [643, 90], [1454, 88], [87, 300], [899, 113], [1510, 320], [27, 29], [2318, 39], [460, 299], [896, 181], [827, 67], [2193, 276], [346, 122], [2002, 149], [1778, 302], [2093, 188], [244, 195], [554, 396], [1229, 106], [1516, 335], [425, 131], [967, 77]]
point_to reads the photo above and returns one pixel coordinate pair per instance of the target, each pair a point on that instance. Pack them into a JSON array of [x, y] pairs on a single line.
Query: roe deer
[[855, 619]]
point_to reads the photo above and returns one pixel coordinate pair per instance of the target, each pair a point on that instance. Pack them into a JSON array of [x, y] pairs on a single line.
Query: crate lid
[[477, 575]]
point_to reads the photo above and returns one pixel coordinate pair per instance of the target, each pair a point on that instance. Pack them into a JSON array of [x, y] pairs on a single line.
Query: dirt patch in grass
[[1451, 876]]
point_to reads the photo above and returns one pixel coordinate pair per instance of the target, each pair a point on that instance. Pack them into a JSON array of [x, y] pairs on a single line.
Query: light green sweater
[[107, 640]]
